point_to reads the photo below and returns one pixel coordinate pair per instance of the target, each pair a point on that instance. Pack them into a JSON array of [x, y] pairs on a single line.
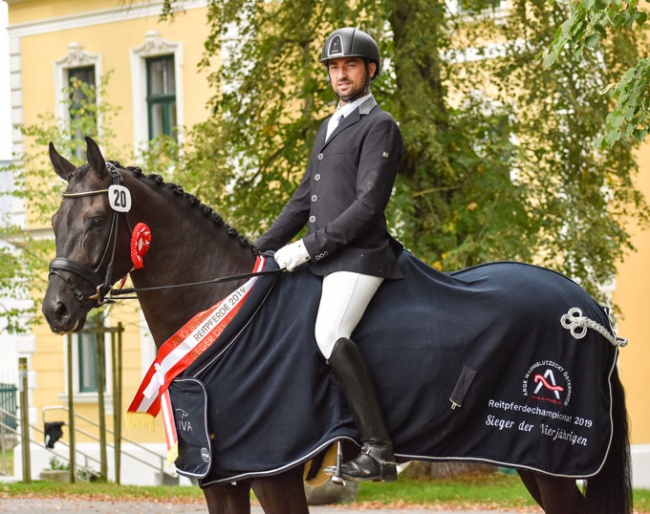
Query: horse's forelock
[[80, 172]]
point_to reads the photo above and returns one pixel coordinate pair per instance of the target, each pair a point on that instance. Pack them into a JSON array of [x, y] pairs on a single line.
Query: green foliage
[[500, 160], [12, 285], [588, 26], [631, 115], [472, 490], [58, 465]]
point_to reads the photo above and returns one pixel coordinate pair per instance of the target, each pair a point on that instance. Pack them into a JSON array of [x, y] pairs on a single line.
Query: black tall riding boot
[[376, 460]]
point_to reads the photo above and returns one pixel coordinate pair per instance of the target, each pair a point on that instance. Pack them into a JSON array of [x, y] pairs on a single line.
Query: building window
[[80, 79], [82, 93], [84, 363], [75, 76], [87, 357], [87, 351], [161, 96], [157, 78]]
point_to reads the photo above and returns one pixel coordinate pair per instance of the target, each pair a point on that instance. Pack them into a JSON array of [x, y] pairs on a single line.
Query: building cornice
[[100, 17]]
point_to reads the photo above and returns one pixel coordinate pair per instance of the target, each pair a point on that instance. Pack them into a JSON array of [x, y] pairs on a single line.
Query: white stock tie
[[334, 122]]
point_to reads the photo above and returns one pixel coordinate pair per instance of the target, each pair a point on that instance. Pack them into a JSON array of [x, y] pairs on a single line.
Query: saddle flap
[[190, 404]]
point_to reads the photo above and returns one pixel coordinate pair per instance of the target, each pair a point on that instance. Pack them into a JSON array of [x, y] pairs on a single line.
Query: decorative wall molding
[[77, 57], [126, 11]]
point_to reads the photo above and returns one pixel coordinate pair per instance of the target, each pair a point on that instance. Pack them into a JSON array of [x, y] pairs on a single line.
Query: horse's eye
[[97, 222]]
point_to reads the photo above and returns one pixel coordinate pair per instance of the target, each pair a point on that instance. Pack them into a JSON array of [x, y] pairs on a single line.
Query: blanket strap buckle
[[462, 385]]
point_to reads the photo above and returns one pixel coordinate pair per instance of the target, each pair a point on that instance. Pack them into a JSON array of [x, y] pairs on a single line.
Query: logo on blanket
[[548, 381], [183, 424]]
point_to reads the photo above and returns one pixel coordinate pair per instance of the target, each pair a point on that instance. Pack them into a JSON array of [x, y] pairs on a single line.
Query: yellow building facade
[[53, 40], [630, 294], [155, 82]]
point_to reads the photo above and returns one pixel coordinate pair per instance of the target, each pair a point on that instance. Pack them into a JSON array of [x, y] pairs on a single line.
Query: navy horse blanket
[[503, 363]]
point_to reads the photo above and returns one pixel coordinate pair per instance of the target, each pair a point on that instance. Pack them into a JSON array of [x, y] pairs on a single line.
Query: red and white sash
[[178, 352]]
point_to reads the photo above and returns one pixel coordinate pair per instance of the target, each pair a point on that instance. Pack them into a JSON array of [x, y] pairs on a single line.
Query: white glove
[[291, 256]]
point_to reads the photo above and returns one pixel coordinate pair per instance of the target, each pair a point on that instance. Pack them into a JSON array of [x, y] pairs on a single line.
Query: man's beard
[[351, 95]]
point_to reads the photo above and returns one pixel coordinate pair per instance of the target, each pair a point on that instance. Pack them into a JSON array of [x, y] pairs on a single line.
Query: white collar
[[346, 109]]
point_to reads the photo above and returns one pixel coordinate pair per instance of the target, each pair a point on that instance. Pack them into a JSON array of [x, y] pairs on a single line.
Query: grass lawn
[[489, 491], [485, 490]]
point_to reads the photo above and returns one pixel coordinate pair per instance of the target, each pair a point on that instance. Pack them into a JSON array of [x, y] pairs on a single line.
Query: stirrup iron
[[337, 478]]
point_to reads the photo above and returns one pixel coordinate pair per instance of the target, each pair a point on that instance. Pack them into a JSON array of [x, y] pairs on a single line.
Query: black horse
[[93, 251]]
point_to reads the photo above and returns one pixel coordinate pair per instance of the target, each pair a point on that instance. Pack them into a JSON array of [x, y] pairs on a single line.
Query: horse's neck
[[186, 247]]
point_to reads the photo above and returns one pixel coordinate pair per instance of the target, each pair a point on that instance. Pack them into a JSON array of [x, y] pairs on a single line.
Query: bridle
[[90, 275], [103, 286]]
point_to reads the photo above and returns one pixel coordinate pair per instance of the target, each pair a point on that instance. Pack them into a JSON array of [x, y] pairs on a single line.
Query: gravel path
[[61, 505]]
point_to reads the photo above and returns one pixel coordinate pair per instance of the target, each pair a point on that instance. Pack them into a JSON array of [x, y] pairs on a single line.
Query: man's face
[[348, 76]]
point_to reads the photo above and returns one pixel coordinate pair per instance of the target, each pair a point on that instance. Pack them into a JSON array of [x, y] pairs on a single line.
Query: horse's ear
[[62, 166], [95, 157]]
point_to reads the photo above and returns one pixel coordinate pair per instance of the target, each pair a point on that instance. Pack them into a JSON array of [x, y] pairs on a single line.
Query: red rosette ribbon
[[140, 242]]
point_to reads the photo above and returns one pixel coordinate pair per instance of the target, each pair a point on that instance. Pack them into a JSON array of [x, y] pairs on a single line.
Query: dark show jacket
[[343, 196]]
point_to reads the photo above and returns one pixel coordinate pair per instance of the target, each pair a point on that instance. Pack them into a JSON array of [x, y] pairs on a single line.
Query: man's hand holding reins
[[290, 256]]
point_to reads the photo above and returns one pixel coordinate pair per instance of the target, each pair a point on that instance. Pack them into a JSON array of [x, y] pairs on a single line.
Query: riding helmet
[[351, 42]]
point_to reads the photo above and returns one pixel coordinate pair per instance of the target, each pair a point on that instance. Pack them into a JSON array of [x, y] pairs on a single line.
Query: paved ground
[[51, 506]]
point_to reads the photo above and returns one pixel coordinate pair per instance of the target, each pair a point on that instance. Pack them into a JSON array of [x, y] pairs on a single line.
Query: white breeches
[[343, 301]]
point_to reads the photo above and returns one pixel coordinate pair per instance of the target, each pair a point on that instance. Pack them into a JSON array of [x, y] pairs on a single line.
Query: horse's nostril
[[61, 311], [55, 312]]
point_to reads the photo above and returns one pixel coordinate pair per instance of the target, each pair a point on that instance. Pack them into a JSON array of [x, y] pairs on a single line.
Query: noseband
[[90, 275]]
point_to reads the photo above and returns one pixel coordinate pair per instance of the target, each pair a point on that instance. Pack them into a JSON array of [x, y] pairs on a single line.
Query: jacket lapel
[[348, 121]]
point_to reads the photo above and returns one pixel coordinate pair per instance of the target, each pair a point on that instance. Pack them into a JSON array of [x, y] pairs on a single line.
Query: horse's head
[[89, 247]]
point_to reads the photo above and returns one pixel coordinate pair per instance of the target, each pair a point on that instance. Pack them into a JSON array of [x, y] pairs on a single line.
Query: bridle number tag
[[119, 198]]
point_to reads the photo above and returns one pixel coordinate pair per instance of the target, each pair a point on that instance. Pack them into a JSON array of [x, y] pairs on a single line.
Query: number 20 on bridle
[[119, 198]]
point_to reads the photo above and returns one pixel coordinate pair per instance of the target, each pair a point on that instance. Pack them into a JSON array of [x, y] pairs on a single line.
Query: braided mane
[[193, 201]]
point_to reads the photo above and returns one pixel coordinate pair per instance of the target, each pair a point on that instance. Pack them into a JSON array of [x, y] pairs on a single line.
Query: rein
[[218, 280]]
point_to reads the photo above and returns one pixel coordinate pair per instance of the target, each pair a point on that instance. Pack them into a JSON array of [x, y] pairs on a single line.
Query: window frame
[[83, 395], [75, 58], [87, 342], [167, 100], [153, 46]]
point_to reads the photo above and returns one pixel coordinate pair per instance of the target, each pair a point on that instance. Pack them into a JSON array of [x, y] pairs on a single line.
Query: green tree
[[500, 160], [588, 24]]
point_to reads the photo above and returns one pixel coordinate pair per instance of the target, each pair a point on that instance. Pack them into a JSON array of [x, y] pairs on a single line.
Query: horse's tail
[[610, 491]]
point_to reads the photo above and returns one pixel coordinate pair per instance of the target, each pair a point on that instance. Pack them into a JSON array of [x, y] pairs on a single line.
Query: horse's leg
[[530, 481], [283, 493], [559, 495], [228, 498]]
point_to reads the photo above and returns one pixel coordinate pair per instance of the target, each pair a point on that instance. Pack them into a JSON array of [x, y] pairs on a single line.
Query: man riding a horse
[[472, 366], [342, 199]]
